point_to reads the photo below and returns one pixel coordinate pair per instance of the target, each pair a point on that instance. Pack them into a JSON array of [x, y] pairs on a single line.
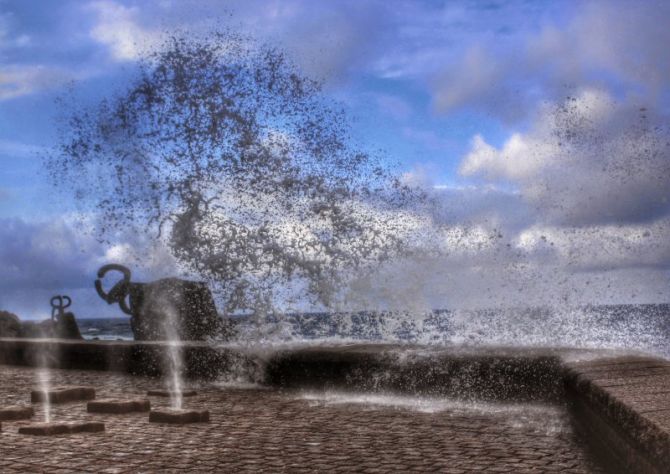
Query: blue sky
[[462, 94]]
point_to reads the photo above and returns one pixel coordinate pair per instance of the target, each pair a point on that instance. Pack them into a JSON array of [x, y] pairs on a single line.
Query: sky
[[545, 123]]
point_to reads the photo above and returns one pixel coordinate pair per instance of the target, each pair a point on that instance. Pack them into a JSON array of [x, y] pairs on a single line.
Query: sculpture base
[[178, 417], [52, 429], [118, 406], [16, 413], [170, 393], [62, 394]]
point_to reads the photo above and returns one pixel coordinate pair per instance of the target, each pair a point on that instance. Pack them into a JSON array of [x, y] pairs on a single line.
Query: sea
[[631, 327]]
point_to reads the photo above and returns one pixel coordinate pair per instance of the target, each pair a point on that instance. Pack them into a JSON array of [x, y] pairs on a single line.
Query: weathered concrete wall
[[502, 374], [622, 404], [139, 358]]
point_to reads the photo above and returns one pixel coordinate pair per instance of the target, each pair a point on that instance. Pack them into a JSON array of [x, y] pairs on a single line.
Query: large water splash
[[625, 327], [247, 173], [44, 383], [244, 169]]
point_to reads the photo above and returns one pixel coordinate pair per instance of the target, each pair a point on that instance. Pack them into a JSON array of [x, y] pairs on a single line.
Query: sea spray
[[46, 353], [174, 356], [272, 202], [43, 379], [626, 327]]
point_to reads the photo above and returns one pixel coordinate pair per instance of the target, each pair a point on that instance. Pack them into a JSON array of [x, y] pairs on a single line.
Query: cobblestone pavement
[[256, 429]]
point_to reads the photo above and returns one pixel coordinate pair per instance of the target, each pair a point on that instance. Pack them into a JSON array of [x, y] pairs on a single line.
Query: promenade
[[268, 429]]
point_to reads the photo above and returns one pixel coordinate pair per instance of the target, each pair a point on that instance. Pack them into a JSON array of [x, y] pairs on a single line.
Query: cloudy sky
[[542, 124]]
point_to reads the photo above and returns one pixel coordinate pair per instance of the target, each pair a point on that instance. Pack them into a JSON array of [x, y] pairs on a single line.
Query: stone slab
[[170, 393], [118, 406], [179, 417], [51, 429], [63, 394], [18, 412]]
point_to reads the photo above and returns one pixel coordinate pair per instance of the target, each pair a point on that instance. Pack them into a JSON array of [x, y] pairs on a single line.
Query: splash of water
[[543, 418], [625, 327], [265, 194], [175, 363], [44, 382]]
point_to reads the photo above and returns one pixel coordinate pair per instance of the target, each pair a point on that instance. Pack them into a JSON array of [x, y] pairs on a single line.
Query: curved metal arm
[[58, 305], [119, 291]]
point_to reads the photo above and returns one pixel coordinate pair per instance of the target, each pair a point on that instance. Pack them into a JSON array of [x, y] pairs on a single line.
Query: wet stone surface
[[170, 394], [252, 430]]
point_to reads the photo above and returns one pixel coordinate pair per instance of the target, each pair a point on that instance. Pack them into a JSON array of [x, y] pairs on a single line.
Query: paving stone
[[261, 430], [178, 417], [171, 394]]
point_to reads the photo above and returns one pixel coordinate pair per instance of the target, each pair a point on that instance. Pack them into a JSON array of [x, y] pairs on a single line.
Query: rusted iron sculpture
[[63, 324], [58, 306], [165, 309]]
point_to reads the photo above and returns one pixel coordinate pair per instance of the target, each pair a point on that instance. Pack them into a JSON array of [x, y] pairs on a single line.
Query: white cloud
[[589, 159], [610, 45], [623, 38], [16, 149], [396, 107], [118, 28], [19, 80], [465, 84], [604, 247]]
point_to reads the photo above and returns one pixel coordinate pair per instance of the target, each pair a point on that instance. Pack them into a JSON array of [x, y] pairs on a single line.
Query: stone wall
[[502, 374], [138, 358], [622, 405]]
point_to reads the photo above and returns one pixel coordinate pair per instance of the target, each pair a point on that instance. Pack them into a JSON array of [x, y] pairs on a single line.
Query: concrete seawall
[[483, 374], [621, 404], [138, 358]]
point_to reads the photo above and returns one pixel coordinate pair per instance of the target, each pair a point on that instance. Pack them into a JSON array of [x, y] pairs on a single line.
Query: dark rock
[[66, 327], [63, 327], [37, 330], [10, 325]]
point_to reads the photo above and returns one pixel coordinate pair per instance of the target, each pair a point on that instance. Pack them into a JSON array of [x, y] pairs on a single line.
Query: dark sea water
[[637, 327], [106, 329]]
